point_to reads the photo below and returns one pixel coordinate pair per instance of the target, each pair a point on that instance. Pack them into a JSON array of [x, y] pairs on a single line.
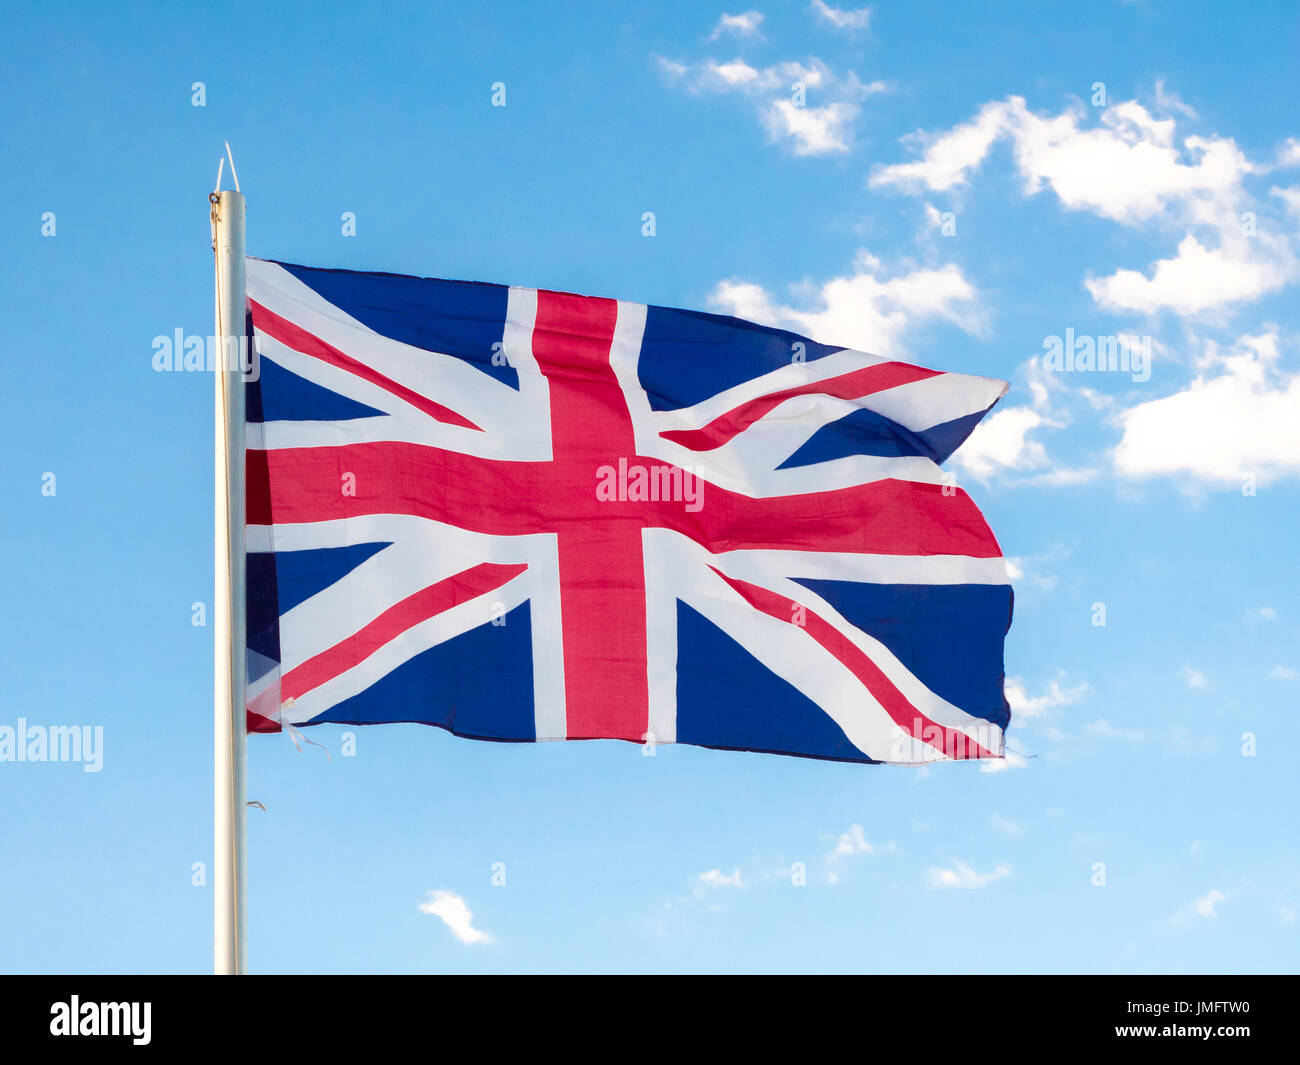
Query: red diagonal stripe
[[424, 604], [257, 723], [299, 339], [852, 385], [955, 744]]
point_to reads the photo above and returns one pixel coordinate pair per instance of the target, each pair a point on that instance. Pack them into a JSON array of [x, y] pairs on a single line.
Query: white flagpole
[[230, 625]]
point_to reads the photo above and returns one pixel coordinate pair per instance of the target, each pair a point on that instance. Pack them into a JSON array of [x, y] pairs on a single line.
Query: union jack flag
[[528, 515]]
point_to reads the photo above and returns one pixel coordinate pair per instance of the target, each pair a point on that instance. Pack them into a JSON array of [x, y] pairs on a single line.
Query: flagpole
[[230, 636]]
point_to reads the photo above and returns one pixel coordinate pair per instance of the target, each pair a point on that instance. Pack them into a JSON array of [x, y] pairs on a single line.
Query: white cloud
[[1290, 198], [843, 18], [452, 910], [1031, 569], [715, 879], [866, 309], [1103, 729], [1004, 446], [962, 875], [1284, 673], [1025, 706], [854, 841], [746, 24], [849, 844], [1001, 765], [1006, 826], [948, 158], [805, 107], [1198, 279], [1062, 477], [1169, 102], [1240, 416], [811, 130], [671, 69], [1002, 443], [1201, 907], [1195, 678], [1129, 168]]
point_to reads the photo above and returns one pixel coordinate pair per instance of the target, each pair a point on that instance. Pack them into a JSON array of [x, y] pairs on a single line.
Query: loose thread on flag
[[295, 736], [1007, 748]]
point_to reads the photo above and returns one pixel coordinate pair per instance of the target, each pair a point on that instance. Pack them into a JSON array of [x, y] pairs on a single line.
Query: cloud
[[1062, 477], [849, 844], [671, 69], [1170, 101], [1002, 443], [867, 309], [1128, 168], [1201, 907], [805, 108], [1131, 168], [1004, 448], [1261, 613], [1011, 760], [1103, 729], [1025, 706], [716, 879], [1197, 279], [746, 24], [1290, 198], [1284, 673], [947, 159], [1195, 678], [1005, 826], [962, 875], [811, 130], [842, 18], [1033, 568], [853, 841], [1240, 416], [451, 909], [1021, 568]]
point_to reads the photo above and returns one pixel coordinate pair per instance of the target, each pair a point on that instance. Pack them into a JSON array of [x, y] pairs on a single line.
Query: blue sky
[[952, 188]]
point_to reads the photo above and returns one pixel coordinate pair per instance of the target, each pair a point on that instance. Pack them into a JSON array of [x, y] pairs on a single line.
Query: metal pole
[[229, 629]]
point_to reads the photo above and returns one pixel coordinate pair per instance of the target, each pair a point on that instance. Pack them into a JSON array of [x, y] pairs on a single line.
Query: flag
[[527, 515]]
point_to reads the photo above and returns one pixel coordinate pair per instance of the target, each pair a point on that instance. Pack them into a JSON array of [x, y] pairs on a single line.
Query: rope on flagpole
[[232, 167]]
